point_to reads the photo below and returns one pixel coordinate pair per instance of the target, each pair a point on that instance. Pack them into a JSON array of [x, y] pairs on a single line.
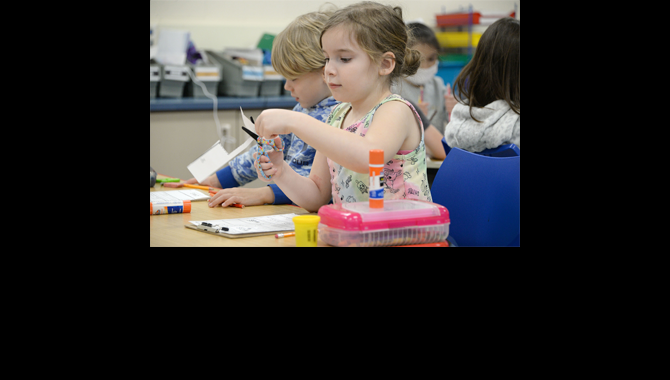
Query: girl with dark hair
[[488, 113]]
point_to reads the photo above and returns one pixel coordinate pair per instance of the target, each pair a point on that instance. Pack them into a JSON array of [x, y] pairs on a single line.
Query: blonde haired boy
[[297, 56]]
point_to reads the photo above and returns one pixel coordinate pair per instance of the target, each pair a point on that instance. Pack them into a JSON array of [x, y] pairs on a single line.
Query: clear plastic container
[[400, 222]]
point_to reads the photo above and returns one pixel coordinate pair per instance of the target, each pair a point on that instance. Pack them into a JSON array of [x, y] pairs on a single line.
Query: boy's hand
[[212, 181], [247, 197]]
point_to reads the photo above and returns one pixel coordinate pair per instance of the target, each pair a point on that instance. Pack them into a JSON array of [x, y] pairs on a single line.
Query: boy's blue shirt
[[297, 153]]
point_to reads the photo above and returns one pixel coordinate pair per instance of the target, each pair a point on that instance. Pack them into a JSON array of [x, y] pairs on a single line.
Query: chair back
[[482, 194], [507, 150]]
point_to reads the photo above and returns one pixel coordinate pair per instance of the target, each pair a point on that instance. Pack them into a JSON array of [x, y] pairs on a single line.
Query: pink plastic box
[[399, 222]]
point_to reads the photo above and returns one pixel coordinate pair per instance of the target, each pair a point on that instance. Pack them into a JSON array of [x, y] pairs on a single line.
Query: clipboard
[[246, 227]]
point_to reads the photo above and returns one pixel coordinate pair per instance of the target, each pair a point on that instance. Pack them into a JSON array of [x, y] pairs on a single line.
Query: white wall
[[216, 24]]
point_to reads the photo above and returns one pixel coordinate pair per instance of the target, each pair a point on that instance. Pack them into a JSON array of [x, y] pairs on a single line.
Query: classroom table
[[168, 230], [433, 165]]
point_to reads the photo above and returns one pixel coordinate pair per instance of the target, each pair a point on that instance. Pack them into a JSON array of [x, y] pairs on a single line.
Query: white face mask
[[423, 76]]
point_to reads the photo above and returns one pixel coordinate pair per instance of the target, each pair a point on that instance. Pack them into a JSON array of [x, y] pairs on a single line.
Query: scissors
[[262, 143]]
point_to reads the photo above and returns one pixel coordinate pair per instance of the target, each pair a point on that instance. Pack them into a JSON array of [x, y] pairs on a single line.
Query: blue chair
[[482, 193]]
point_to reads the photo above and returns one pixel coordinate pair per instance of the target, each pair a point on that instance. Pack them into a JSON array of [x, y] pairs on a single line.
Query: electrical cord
[[219, 130]]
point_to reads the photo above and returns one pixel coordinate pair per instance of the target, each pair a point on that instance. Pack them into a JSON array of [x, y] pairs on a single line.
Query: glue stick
[[376, 189], [169, 207]]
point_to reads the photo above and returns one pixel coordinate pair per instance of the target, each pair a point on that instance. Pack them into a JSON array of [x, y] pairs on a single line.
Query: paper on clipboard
[[252, 226], [216, 157]]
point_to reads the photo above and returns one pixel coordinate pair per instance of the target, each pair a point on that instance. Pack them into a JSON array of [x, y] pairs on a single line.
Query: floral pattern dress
[[405, 176]]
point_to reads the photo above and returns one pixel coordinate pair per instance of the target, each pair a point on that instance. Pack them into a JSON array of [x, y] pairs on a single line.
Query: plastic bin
[[174, 77], [457, 39], [210, 76], [399, 222], [236, 79], [272, 82], [448, 71], [154, 79], [455, 19]]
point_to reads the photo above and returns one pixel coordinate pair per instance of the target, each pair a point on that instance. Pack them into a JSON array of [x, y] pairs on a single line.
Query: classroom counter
[[223, 103], [181, 129]]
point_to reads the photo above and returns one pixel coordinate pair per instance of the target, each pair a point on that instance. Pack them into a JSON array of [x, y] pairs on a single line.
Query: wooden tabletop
[[433, 163], [169, 230]]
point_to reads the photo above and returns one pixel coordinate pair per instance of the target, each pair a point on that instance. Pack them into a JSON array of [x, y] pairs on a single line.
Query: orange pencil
[[196, 186], [287, 234]]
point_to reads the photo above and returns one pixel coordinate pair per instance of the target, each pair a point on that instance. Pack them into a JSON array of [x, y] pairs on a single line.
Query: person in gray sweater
[[488, 112]]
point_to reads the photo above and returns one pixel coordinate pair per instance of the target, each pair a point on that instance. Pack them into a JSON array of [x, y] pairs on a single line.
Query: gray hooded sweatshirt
[[499, 125]]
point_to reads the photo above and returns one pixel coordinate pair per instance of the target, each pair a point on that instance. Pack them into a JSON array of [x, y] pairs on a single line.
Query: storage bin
[[174, 78], [456, 39], [154, 79], [448, 71], [236, 79], [455, 19], [399, 222], [272, 82], [209, 75]]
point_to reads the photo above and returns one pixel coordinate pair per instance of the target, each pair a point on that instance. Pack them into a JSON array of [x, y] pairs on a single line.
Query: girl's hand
[[246, 196], [273, 166], [274, 122]]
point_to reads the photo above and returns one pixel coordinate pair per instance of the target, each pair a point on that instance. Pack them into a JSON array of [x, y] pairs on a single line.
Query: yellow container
[[456, 39], [306, 230]]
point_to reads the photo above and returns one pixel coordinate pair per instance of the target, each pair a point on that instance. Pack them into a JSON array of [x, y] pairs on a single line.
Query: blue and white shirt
[[297, 153]]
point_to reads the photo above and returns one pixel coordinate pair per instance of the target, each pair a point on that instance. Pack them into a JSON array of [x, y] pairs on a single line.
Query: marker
[[277, 236], [167, 180]]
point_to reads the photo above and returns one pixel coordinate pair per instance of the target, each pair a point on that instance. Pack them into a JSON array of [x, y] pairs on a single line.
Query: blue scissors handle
[[263, 143]]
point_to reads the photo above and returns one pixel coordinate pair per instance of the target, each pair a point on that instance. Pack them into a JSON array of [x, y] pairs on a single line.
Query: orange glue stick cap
[[376, 156]]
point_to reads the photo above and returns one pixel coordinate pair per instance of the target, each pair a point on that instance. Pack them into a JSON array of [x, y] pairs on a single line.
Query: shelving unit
[[457, 39], [458, 44]]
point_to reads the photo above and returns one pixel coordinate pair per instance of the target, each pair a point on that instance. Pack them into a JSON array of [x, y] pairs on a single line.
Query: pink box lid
[[358, 216]]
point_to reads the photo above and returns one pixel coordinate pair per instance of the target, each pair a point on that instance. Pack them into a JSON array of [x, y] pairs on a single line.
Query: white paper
[[216, 156], [268, 223], [177, 195], [210, 161], [172, 45]]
